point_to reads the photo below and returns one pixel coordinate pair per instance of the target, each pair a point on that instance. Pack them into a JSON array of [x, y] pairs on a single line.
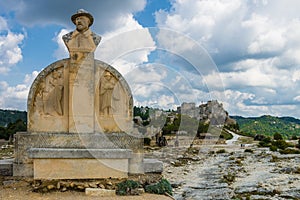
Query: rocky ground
[[231, 172], [226, 171]]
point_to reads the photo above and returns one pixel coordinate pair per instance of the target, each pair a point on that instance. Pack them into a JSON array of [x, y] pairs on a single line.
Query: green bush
[[248, 151], [229, 178], [277, 136], [290, 151], [221, 151], [161, 187], [263, 144], [298, 145], [294, 137], [273, 148], [125, 187], [267, 140], [281, 144]]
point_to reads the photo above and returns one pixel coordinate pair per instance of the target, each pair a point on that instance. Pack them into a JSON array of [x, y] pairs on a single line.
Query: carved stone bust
[[82, 39]]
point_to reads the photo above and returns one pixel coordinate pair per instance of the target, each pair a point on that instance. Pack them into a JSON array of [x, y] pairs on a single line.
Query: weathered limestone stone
[[6, 167], [100, 192], [80, 168], [153, 166]]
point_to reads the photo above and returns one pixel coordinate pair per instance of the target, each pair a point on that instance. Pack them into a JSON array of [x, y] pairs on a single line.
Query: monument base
[[52, 163], [44, 155]]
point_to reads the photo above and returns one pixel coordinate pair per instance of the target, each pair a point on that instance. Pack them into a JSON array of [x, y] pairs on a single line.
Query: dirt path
[[234, 139]]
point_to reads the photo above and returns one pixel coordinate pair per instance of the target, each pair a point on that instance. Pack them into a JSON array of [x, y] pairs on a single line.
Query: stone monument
[[80, 117]]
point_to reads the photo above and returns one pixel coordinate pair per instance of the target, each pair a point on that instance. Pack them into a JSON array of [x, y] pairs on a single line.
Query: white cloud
[[255, 44], [297, 98], [3, 24], [296, 76], [15, 97], [10, 50], [61, 51], [106, 13], [133, 45]]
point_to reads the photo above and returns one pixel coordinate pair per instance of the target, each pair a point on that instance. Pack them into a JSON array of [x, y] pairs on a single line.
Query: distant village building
[[212, 111]]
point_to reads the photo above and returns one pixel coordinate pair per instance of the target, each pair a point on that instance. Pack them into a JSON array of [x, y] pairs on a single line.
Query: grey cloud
[[43, 12]]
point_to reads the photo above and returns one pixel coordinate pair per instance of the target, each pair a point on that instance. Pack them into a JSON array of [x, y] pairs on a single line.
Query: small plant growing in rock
[[273, 148], [274, 159], [248, 151], [221, 151], [161, 187], [239, 162], [229, 178], [125, 187]]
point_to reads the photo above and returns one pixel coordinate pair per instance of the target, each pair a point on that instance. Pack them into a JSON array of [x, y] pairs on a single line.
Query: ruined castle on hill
[[212, 112]]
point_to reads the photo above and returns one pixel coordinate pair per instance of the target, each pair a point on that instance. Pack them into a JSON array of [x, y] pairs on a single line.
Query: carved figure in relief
[[109, 94], [54, 100], [39, 98], [82, 39]]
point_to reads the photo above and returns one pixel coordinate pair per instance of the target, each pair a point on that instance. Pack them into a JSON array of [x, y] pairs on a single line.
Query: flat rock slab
[[97, 192], [6, 167]]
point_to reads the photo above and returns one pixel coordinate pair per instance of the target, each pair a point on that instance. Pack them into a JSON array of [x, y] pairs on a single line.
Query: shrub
[[221, 151], [273, 148], [298, 145], [277, 136], [263, 144], [248, 151], [294, 137], [281, 144], [267, 140], [290, 151], [229, 178], [161, 187], [125, 187]]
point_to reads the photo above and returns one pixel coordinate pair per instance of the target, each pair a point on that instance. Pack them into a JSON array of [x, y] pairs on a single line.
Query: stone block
[[100, 192], [80, 168], [136, 163], [56, 163], [25, 170], [153, 166], [6, 167]]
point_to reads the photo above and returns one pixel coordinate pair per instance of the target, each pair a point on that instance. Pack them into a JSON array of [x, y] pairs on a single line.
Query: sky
[[244, 53]]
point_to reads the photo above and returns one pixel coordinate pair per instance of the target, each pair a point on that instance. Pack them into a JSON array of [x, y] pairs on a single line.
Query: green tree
[[3, 134], [17, 126]]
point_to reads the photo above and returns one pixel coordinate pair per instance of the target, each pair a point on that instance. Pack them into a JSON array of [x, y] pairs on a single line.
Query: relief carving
[[39, 98], [109, 95], [53, 104]]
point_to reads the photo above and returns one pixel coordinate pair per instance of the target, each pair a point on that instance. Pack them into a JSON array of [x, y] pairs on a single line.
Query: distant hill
[[269, 125], [11, 116]]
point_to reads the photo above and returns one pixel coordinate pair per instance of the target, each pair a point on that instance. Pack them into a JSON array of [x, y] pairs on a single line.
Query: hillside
[[269, 125], [11, 116]]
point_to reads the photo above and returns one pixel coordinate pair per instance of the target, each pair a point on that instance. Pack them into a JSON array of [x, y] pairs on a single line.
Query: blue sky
[[246, 54]]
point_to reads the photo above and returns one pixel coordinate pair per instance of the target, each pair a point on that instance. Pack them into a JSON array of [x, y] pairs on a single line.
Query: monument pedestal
[[54, 163]]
